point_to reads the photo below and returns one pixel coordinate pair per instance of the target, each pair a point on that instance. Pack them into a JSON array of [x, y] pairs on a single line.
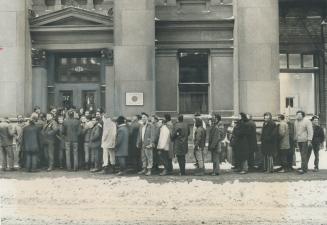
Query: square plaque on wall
[[134, 98]]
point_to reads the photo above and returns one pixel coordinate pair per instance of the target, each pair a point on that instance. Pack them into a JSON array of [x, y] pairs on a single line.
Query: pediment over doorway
[[71, 17]]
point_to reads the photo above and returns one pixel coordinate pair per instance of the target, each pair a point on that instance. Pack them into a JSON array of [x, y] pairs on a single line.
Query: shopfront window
[[78, 69], [193, 82]]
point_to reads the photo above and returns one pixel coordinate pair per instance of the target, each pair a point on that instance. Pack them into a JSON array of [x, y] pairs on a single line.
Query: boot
[[148, 173], [144, 171]]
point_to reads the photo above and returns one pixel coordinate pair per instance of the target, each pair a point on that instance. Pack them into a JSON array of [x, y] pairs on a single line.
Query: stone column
[[13, 55], [57, 5], [258, 51], [39, 80], [134, 53], [90, 5]]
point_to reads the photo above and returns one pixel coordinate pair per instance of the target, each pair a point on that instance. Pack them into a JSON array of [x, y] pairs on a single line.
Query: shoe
[[164, 173], [120, 173], [196, 165], [243, 172], [94, 170], [315, 170], [301, 171], [281, 171], [142, 172], [148, 173], [49, 169], [11, 169], [215, 174]]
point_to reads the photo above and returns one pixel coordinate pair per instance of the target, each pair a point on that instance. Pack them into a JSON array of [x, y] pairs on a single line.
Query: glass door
[[66, 99], [89, 100]]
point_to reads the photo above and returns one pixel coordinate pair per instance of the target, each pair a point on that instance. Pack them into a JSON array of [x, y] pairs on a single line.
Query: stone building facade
[[159, 56]]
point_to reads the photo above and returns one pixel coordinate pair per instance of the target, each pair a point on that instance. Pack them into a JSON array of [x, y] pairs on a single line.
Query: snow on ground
[[135, 200]]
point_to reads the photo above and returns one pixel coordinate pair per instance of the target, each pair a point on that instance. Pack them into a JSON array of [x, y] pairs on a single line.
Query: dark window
[[289, 102], [78, 69], [193, 82]]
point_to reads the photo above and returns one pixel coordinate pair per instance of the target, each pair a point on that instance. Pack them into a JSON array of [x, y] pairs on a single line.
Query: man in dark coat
[[242, 143], [95, 144], [49, 132], [31, 143], [71, 132], [135, 153], [253, 141], [180, 134], [317, 141], [122, 144], [145, 142], [269, 142], [6, 142]]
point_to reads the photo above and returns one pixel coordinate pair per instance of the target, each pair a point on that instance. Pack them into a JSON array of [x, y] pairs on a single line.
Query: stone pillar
[[39, 80], [258, 51], [90, 5], [134, 53], [13, 56], [57, 5]]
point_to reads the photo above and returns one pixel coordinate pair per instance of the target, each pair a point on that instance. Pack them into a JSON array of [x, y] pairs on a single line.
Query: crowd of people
[[94, 141]]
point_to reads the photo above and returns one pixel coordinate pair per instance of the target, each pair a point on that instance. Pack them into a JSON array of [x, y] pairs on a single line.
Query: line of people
[[94, 141]]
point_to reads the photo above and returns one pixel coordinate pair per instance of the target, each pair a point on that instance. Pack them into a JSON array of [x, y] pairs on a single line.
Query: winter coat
[[253, 137], [6, 134], [95, 136], [318, 135], [180, 134], [134, 129], [156, 130], [303, 130], [148, 139], [122, 141], [164, 138], [241, 142], [86, 131], [31, 142], [109, 134], [71, 130], [216, 135], [269, 138], [50, 131], [199, 138], [170, 126], [284, 136]]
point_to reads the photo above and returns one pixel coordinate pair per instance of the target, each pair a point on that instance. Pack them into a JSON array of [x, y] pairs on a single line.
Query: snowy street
[[95, 199]]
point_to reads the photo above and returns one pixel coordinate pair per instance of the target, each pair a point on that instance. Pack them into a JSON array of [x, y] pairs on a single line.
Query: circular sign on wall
[[134, 98]]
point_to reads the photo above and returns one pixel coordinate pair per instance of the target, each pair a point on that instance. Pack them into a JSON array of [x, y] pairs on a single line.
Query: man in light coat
[[216, 135], [303, 133], [163, 147], [284, 142], [108, 143]]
